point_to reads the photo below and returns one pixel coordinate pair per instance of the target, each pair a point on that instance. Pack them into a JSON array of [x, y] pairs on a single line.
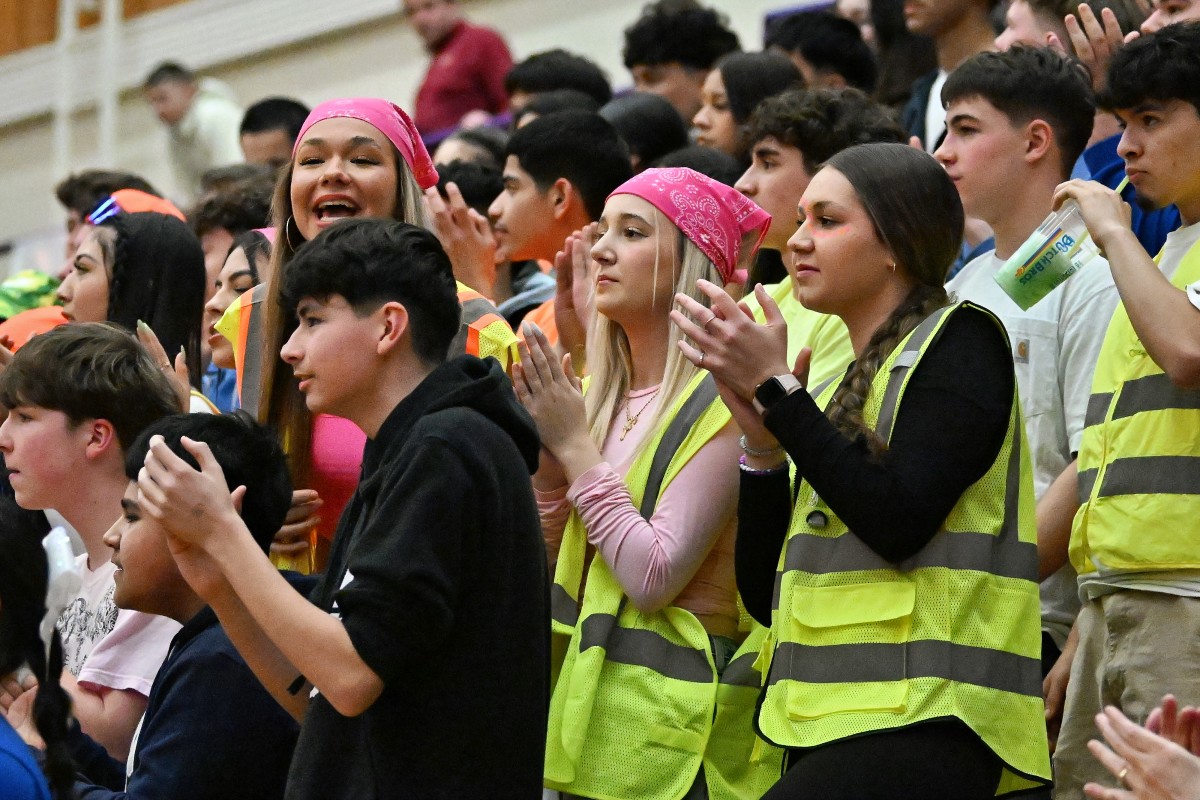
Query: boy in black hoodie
[[422, 670]]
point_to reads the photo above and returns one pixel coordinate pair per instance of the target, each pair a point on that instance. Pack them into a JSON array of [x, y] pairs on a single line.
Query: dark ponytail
[[51, 708], [23, 584], [917, 214]]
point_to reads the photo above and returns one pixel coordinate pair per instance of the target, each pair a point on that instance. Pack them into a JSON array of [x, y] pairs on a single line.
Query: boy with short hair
[[790, 136], [671, 48], [828, 49], [202, 119], [77, 397], [422, 670], [552, 70], [210, 729], [959, 29], [269, 130], [1135, 539], [1016, 123], [558, 172]]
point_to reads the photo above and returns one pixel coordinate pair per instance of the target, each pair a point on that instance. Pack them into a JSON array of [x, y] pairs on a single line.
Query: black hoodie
[[438, 572]]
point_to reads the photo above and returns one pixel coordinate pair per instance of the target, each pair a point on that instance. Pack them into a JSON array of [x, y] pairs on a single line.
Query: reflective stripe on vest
[[643, 685], [249, 348], [564, 608], [863, 644], [930, 658], [1139, 457], [1147, 474], [477, 313], [643, 648]]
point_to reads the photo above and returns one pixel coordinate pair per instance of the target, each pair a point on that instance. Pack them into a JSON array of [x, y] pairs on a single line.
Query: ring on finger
[[1121, 777], [700, 363], [707, 322]]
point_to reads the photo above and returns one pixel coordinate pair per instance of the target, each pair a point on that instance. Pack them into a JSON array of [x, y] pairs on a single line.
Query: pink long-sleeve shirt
[[681, 556]]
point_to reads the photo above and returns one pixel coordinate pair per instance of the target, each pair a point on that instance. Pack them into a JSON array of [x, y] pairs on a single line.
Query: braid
[[845, 409], [50, 710]]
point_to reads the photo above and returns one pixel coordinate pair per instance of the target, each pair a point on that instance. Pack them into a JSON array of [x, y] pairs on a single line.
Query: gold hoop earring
[[892, 266], [287, 234]]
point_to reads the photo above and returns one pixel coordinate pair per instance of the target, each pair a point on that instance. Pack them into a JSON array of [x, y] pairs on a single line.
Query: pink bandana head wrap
[[714, 216], [391, 121]]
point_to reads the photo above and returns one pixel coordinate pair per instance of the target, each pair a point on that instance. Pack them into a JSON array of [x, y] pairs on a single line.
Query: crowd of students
[[580, 461]]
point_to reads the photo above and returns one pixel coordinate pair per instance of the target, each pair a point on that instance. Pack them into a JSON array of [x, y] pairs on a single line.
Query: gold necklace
[[631, 421]]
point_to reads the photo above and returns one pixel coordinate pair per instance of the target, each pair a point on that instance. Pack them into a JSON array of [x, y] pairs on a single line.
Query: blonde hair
[[609, 359], [280, 403]]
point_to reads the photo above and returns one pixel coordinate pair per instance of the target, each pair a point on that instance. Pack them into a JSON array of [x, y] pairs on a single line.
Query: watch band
[[774, 389]]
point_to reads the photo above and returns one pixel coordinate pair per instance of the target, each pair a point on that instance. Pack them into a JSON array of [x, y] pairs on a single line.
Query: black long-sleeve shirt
[[947, 434]]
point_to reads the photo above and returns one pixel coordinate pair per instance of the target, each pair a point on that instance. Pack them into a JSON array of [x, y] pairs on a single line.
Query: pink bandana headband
[[715, 217], [390, 120]]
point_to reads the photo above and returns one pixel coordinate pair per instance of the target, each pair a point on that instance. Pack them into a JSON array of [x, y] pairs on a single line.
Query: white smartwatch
[[774, 389]]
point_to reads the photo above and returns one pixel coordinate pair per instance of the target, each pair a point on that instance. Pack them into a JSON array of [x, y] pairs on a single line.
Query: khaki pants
[[1134, 647]]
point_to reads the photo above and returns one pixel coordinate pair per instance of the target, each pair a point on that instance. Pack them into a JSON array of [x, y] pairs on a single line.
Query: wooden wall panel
[[28, 23]]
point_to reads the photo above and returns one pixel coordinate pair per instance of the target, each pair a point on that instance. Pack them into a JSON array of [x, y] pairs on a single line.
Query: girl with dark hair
[[23, 584], [738, 83], [141, 267], [245, 267], [905, 612]]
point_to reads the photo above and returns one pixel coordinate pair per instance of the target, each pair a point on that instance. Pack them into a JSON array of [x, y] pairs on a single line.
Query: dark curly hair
[[822, 122], [681, 31]]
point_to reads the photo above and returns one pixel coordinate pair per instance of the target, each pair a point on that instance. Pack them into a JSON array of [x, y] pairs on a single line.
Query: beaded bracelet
[[749, 470], [750, 451]]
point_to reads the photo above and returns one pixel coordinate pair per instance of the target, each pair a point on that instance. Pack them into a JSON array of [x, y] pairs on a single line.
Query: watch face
[[769, 391]]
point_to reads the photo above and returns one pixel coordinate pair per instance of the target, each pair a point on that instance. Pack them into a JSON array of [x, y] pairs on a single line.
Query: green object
[[1060, 247], [29, 288]]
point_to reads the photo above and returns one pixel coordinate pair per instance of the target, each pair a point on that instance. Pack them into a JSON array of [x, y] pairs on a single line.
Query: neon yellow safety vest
[[1139, 460], [637, 705], [862, 644]]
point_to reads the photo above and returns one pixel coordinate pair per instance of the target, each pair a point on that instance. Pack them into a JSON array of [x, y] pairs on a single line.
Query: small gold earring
[[892, 266]]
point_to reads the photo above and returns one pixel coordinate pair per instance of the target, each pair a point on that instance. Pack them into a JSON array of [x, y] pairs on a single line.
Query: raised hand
[[572, 299], [466, 237], [177, 372]]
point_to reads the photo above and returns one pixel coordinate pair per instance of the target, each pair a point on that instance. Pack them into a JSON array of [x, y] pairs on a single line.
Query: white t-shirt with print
[[1055, 346]]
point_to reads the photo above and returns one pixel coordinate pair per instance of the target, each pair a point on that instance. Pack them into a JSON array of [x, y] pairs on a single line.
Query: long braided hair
[[23, 584], [917, 214]]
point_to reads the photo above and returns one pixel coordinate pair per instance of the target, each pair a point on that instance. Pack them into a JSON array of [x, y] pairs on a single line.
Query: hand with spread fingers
[[193, 505], [466, 236], [1094, 40], [1180, 725], [725, 339], [1147, 766]]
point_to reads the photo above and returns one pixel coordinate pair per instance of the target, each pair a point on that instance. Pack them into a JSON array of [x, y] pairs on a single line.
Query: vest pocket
[[849, 649], [859, 612]]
